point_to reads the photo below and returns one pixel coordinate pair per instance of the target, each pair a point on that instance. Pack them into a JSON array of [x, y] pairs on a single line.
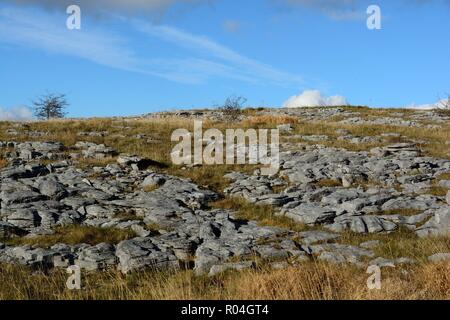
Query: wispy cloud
[[42, 32], [195, 70], [15, 114], [207, 59], [247, 67]]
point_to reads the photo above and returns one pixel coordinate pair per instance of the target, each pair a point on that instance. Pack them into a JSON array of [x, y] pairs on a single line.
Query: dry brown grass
[[268, 121], [121, 134], [211, 177], [435, 139], [437, 191], [444, 176], [401, 243], [73, 235], [3, 163], [150, 188], [308, 281], [319, 281], [264, 214], [328, 183], [158, 131]]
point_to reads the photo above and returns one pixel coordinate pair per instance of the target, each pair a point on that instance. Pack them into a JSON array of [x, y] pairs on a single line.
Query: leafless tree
[[50, 106], [232, 108]]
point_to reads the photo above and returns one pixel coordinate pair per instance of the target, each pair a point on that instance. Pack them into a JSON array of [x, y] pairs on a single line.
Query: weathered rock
[[7, 230], [24, 196], [315, 138], [238, 266], [311, 214], [52, 189], [24, 218], [96, 151], [268, 252], [362, 224], [127, 160], [153, 181], [141, 253], [444, 184], [438, 257], [337, 253], [99, 257], [438, 225], [311, 237], [35, 199], [285, 128]]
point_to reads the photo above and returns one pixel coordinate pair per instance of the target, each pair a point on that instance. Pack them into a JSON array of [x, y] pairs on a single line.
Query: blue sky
[[133, 57]]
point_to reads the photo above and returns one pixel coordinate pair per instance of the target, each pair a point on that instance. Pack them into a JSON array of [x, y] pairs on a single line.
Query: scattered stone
[[311, 237], [239, 266], [126, 160], [141, 253], [339, 254], [438, 257], [370, 244], [382, 262], [315, 138], [438, 225], [444, 184], [99, 257], [311, 214], [401, 149], [284, 128], [172, 219], [362, 224]]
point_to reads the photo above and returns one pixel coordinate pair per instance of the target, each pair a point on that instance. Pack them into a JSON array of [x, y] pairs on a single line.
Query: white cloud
[[313, 98], [15, 114], [430, 106]]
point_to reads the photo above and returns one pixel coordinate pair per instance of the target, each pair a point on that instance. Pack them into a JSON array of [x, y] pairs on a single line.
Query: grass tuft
[[263, 214], [308, 281], [73, 235]]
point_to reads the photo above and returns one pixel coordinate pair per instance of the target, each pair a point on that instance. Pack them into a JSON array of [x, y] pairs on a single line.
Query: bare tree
[[232, 108], [50, 106]]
